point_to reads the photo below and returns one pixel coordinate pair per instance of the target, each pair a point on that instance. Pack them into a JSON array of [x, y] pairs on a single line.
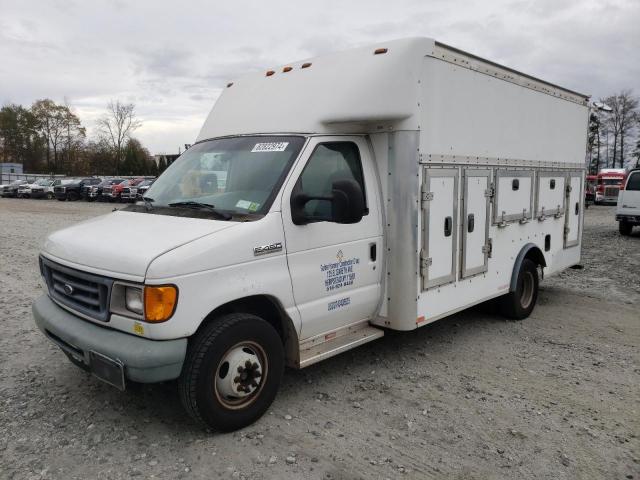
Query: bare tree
[[624, 111], [117, 125]]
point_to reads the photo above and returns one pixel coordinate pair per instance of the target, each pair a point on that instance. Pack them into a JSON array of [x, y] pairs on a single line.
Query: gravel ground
[[469, 397]]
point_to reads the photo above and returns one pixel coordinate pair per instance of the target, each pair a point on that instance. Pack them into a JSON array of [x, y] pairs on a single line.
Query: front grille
[[611, 191], [83, 292]]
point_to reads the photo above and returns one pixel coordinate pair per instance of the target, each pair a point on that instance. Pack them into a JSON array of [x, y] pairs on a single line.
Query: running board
[[339, 344]]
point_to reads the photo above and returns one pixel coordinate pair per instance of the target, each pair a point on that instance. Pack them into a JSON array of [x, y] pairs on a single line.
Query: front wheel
[[50, 196], [519, 304], [624, 227], [232, 372]]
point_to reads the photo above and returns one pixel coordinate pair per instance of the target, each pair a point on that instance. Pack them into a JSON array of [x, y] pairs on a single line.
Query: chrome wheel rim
[[241, 375]]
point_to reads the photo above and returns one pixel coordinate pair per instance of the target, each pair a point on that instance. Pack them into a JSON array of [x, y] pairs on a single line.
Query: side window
[[634, 182], [329, 162]]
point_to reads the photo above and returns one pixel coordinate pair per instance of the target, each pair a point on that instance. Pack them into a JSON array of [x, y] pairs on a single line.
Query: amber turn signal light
[[378, 51], [159, 302]]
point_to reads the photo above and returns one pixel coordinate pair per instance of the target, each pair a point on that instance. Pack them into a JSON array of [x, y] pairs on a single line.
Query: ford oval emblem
[[68, 289]]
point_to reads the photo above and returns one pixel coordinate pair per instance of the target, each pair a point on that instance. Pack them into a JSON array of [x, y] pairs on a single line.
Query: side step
[[339, 344]]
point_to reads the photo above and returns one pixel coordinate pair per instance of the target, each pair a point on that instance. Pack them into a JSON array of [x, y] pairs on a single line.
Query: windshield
[[611, 181], [237, 175], [43, 183]]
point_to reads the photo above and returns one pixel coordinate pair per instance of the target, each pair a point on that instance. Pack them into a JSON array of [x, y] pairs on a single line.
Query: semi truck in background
[[380, 188], [608, 184]]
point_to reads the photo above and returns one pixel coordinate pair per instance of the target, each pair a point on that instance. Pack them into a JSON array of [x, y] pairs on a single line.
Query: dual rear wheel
[[519, 304]]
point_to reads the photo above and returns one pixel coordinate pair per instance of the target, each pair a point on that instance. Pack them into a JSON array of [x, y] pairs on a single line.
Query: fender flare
[[532, 250]]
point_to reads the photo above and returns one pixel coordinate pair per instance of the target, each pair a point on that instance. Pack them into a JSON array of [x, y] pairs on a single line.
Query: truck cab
[[608, 183]]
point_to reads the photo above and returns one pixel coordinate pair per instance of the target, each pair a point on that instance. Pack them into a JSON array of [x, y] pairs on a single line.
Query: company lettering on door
[[340, 273]]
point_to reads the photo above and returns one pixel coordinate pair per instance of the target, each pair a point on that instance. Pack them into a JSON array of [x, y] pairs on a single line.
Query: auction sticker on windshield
[[270, 147]]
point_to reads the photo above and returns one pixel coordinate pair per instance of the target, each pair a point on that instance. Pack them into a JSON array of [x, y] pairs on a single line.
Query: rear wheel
[[519, 304], [73, 196], [624, 227], [232, 371], [50, 196]]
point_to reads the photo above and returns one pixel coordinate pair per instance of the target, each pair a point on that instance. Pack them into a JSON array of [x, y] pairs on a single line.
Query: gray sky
[[172, 58]]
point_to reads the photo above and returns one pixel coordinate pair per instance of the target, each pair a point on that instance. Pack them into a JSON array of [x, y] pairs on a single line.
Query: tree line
[[48, 137], [614, 127]]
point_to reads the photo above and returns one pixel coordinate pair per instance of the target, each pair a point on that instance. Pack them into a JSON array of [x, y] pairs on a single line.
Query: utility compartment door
[[573, 212], [550, 195], [440, 226], [475, 222], [513, 196]]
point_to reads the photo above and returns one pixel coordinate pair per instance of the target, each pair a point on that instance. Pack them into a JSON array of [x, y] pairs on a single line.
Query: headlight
[[133, 300], [159, 302]]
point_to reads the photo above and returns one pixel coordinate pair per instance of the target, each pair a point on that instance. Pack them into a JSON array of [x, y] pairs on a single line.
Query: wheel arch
[[532, 252], [271, 310]]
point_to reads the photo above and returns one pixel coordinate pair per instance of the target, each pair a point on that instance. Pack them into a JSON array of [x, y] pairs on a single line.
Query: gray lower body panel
[[144, 360]]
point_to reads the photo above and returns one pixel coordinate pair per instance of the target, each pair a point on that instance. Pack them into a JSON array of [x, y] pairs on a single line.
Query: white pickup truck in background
[[325, 202], [628, 209]]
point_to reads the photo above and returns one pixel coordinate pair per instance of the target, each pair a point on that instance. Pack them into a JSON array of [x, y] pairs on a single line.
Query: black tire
[[61, 199], [519, 304], [50, 196], [204, 370], [72, 196], [624, 227]]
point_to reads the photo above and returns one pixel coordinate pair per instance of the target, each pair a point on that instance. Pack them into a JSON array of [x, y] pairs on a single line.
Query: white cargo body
[[324, 201], [448, 134]]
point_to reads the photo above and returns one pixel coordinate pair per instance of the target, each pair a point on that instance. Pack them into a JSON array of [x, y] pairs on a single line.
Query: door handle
[[471, 223], [448, 222], [373, 252]]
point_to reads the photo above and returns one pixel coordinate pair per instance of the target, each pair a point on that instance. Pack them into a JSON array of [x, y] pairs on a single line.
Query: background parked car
[[73, 190], [102, 191], [42, 188], [11, 190], [143, 187], [130, 193], [114, 192], [628, 210], [87, 186]]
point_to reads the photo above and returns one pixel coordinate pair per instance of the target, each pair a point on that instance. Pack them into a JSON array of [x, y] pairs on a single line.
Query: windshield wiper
[[202, 206]]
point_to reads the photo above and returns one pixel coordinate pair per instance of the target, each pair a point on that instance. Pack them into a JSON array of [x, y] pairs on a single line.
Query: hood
[[125, 243]]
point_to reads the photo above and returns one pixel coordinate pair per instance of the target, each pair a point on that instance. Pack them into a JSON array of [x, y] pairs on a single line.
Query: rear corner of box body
[[401, 186]]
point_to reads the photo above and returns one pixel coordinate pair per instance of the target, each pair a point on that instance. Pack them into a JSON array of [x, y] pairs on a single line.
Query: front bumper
[[144, 360], [632, 219]]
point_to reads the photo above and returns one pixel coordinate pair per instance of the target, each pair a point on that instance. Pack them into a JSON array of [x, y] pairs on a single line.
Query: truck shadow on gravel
[[160, 406]]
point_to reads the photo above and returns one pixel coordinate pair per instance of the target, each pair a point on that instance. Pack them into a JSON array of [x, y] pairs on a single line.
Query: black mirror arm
[[298, 204]]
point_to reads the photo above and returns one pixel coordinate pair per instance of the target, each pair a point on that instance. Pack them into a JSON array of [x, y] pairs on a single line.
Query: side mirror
[[347, 204]]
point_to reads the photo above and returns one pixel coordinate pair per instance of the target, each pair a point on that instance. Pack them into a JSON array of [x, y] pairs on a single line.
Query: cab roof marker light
[[305, 65], [379, 51], [287, 69], [229, 84], [269, 73]]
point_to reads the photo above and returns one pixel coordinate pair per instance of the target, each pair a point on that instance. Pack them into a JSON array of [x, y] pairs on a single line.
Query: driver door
[[335, 268]]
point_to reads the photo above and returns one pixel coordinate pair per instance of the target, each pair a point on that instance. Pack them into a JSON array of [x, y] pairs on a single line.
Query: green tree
[[19, 140]]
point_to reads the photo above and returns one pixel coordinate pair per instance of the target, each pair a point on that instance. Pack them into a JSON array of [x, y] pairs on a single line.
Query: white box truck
[[324, 202]]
